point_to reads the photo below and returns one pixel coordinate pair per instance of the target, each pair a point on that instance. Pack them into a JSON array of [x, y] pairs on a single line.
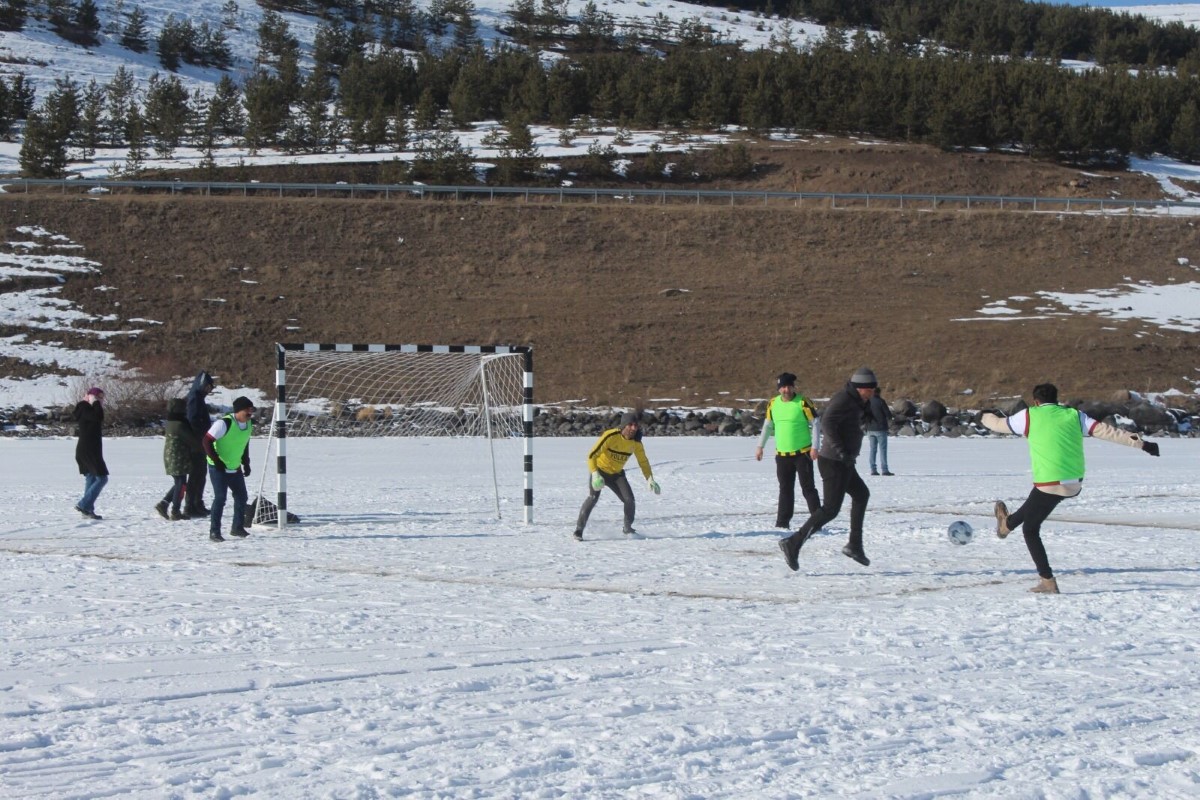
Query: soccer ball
[[960, 532]]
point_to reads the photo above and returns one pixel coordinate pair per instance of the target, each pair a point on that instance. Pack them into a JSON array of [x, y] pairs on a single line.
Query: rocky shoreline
[[1173, 415]]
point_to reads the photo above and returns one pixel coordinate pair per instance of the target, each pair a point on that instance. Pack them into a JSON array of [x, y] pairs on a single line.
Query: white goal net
[[475, 392]]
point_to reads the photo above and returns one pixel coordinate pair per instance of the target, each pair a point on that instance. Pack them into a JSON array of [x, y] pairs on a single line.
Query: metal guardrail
[[643, 196]]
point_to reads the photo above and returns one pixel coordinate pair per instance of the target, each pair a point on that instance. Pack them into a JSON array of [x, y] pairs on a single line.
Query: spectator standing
[[178, 444], [789, 420], [198, 419], [89, 450], [879, 420], [227, 447]]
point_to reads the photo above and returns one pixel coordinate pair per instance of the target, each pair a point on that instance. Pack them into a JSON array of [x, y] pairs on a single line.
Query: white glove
[[597, 481], [653, 484]]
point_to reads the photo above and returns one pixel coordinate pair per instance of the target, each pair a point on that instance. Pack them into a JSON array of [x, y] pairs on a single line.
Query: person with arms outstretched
[[1055, 433]]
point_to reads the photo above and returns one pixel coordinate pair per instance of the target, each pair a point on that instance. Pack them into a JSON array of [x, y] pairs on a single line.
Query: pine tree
[[121, 96], [166, 113], [135, 157], [134, 35], [13, 14], [91, 120], [44, 148]]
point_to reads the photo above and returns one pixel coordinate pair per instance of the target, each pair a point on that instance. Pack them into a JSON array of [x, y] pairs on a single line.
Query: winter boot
[[790, 546], [177, 515], [161, 508], [215, 537], [857, 554], [240, 533], [1046, 586], [1001, 512]]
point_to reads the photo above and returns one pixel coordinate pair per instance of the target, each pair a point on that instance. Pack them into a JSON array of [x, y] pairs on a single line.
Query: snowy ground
[[402, 644]]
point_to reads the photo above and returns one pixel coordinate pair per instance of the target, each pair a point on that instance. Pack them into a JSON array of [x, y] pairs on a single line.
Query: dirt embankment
[[628, 305]]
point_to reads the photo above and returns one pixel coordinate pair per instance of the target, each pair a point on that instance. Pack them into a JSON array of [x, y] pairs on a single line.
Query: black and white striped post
[[281, 433]]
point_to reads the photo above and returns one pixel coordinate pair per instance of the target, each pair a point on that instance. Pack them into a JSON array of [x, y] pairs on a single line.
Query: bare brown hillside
[[761, 290]]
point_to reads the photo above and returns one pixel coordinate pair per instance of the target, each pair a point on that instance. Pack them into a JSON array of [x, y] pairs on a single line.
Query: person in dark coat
[[178, 444], [879, 420], [841, 438], [198, 419], [89, 450]]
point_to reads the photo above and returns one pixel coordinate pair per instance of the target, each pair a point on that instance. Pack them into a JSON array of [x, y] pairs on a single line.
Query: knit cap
[[786, 379], [863, 378]]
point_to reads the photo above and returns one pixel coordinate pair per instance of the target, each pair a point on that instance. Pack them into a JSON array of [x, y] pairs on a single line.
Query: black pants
[[788, 469], [1030, 516], [839, 479], [175, 495], [195, 485], [620, 486]]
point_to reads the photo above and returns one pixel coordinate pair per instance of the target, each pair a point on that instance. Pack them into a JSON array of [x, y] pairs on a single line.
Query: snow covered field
[[403, 644]]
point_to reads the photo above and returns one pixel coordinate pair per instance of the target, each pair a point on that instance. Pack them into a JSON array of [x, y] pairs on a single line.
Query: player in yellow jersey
[[606, 467]]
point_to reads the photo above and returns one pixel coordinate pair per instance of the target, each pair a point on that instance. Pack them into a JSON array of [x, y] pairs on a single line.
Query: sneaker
[[873, 472], [177, 515], [889, 474], [88, 514], [578, 535], [198, 511], [161, 508], [857, 555], [240, 533], [629, 532], [1046, 586], [216, 537], [791, 552], [1001, 512]]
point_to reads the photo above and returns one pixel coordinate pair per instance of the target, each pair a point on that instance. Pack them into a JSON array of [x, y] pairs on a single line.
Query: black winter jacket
[[197, 407], [878, 414], [841, 426], [89, 450]]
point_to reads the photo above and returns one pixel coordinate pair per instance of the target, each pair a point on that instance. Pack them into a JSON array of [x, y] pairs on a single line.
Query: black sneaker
[[857, 555], [216, 537], [578, 535], [88, 514], [889, 474], [161, 508], [240, 533], [791, 553], [177, 515], [200, 511], [629, 532]]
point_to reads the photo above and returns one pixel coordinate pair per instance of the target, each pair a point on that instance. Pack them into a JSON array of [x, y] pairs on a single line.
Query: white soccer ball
[[960, 532]]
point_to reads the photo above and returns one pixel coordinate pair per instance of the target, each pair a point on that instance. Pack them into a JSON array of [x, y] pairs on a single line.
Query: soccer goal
[[479, 392]]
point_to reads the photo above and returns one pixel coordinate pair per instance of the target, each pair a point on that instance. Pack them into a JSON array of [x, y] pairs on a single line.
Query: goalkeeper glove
[[654, 487], [597, 481]]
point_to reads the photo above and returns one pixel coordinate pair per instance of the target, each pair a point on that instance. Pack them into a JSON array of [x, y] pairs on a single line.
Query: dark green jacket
[[180, 441]]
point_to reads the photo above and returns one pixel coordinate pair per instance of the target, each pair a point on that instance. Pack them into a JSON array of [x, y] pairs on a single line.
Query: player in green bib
[[1055, 434], [227, 446], [789, 419]]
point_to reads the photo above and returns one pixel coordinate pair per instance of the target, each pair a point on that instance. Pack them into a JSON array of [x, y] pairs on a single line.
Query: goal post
[[402, 390]]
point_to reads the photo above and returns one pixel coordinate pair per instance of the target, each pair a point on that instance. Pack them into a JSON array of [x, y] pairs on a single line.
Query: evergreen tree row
[[861, 87]]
